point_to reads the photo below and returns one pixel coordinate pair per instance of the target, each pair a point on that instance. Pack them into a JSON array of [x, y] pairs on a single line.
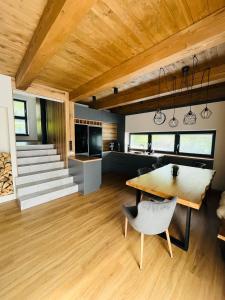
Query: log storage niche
[[6, 181]]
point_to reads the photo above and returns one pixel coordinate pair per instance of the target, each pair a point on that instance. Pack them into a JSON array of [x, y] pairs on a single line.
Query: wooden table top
[[189, 186]]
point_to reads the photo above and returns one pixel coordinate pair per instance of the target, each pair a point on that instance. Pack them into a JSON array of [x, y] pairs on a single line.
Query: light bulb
[[173, 122], [206, 113]]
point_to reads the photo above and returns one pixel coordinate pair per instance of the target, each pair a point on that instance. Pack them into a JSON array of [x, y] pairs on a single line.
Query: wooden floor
[[74, 248]]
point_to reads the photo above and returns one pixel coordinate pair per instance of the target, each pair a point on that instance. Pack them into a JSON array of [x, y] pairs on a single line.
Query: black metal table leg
[[183, 244], [138, 196]]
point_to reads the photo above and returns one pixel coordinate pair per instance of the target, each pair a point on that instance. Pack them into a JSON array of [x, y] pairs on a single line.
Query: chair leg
[[169, 243], [142, 250], [141, 198], [125, 229]]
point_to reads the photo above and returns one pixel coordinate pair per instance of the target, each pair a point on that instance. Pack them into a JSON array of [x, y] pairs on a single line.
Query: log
[[6, 179]]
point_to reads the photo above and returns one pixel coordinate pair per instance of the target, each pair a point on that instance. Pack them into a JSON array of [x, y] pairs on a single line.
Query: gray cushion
[[152, 217]]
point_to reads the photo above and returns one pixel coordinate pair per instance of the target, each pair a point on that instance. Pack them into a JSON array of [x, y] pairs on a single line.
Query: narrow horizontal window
[[139, 141], [163, 142], [200, 144], [190, 143]]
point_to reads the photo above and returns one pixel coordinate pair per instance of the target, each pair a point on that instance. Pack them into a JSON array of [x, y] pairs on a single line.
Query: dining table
[[189, 186]]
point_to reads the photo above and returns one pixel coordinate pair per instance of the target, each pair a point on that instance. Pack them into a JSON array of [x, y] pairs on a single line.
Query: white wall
[[7, 131], [144, 122], [4, 137], [31, 117]]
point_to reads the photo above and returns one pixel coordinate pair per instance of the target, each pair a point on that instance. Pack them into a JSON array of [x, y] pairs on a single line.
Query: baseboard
[[7, 198]]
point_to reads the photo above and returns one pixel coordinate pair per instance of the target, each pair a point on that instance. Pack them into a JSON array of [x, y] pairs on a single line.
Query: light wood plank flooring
[[74, 248]]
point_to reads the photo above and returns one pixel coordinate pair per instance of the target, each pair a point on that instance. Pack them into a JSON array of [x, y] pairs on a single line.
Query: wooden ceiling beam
[[150, 89], [199, 96], [58, 20], [198, 37]]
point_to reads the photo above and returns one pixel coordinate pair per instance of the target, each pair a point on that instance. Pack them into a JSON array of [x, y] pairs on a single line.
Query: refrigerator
[[95, 141]]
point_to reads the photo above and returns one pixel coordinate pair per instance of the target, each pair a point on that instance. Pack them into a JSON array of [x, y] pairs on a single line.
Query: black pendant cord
[[159, 88], [174, 95], [194, 66], [207, 90], [208, 76], [202, 79], [159, 84], [159, 117]]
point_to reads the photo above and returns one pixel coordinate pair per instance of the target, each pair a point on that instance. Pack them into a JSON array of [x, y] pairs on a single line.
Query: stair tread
[[41, 163], [40, 172], [40, 156], [23, 161], [35, 146], [41, 181], [48, 191]]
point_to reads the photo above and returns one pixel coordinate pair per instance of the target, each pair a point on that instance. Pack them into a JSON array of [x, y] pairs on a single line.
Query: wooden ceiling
[[87, 47]]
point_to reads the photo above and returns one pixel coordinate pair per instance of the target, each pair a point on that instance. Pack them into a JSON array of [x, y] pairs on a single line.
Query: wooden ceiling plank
[[198, 37], [130, 20], [150, 89], [56, 23], [216, 93]]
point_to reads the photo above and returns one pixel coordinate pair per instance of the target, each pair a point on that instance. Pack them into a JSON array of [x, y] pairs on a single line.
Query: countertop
[[84, 158], [158, 155]]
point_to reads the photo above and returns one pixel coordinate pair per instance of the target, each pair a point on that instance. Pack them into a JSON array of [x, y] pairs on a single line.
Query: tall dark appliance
[[95, 141], [81, 139]]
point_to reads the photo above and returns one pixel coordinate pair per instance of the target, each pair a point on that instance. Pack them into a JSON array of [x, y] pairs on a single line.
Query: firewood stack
[[6, 181]]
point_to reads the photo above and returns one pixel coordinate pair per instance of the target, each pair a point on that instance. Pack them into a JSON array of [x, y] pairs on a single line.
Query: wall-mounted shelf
[[88, 122]]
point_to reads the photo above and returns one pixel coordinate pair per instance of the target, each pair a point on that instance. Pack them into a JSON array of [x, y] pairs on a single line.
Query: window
[[139, 141], [197, 143], [192, 143], [20, 115], [163, 142]]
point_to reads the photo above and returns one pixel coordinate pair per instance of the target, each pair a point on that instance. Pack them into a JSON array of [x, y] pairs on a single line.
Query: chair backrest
[[142, 171], [157, 165], [200, 165], [154, 217]]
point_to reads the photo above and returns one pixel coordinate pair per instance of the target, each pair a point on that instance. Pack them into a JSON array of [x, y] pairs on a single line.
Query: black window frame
[[22, 118], [164, 133], [140, 133], [177, 142], [211, 155]]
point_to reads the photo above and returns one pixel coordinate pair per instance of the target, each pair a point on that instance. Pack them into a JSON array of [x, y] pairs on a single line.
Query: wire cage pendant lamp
[[206, 112]]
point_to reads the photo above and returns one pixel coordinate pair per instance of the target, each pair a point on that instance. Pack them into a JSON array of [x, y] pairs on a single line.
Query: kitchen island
[[87, 172]]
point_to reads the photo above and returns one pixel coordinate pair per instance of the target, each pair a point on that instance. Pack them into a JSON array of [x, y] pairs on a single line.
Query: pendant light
[[159, 117], [190, 117], [174, 122], [206, 112]]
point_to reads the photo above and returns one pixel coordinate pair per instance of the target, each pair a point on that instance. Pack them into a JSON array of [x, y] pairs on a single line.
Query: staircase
[[41, 175]]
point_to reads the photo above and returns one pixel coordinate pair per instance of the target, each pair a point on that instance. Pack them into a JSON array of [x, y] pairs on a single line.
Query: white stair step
[[42, 185], [37, 176], [37, 159], [46, 196], [29, 153], [40, 167], [35, 147]]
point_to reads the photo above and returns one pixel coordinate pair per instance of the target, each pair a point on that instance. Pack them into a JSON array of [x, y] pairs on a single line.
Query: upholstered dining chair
[[150, 218], [157, 165], [200, 165], [144, 170]]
